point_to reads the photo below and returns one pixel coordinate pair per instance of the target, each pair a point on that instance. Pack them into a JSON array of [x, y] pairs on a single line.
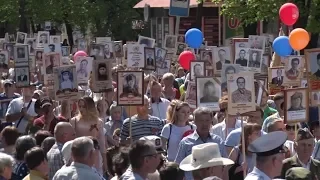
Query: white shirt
[[220, 128], [256, 174], [307, 166], [175, 138], [15, 106], [160, 109]]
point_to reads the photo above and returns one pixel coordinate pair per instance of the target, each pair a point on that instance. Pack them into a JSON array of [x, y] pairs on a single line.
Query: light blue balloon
[[281, 46], [194, 38]]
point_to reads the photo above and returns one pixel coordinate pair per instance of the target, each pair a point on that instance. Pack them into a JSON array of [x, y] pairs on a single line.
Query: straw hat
[[203, 156]]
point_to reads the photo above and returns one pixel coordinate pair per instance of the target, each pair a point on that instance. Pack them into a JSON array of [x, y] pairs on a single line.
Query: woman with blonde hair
[[88, 123], [251, 132], [168, 90], [178, 124]]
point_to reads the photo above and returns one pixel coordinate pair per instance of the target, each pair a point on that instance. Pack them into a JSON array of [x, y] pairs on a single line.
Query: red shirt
[[40, 122]]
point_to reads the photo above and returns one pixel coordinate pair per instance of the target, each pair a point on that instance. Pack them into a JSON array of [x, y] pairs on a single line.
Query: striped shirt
[[141, 127]]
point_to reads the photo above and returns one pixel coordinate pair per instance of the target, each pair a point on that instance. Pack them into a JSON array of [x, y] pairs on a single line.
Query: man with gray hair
[[6, 162], [203, 118], [63, 132], [83, 159]]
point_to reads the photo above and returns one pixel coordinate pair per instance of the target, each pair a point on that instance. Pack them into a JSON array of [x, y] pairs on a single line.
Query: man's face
[[211, 90], [296, 102], [83, 65], [229, 71], [197, 70], [131, 83], [152, 161], [241, 83], [254, 56], [20, 51], [106, 48], [203, 123], [304, 148], [21, 36], [222, 55], [156, 91], [43, 38], [294, 64], [55, 40], [279, 73], [117, 48], [242, 54]]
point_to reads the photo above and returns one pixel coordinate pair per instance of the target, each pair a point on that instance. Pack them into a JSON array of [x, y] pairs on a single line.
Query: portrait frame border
[[234, 40], [207, 77], [142, 94], [154, 58], [308, 70], [306, 119]]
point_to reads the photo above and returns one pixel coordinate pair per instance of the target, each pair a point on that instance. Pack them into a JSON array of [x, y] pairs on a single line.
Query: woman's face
[[101, 106], [116, 114], [102, 70], [82, 106], [183, 113], [39, 54], [181, 73], [168, 82]]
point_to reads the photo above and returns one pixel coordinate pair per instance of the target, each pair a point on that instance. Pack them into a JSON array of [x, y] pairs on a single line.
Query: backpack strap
[[170, 127]]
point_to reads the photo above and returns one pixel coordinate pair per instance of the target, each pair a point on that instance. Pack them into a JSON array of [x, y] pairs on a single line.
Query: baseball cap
[[155, 140]]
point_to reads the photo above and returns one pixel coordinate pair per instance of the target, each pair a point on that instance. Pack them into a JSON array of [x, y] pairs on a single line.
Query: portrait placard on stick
[[130, 88], [208, 92], [228, 69], [102, 75], [146, 41], [135, 55], [240, 91], [170, 43], [97, 51], [49, 48], [109, 50], [165, 65], [197, 69], [9, 47], [21, 38], [22, 76], [221, 56], [65, 51], [293, 70], [150, 58], [265, 63], [4, 59], [276, 79], [84, 68], [43, 38], [32, 43], [55, 39], [257, 42], [191, 94], [82, 45], [118, 50], [66, 85], [312, 57], [296, 105], [160, 56], [239, 43], [39, 57], [21, 55]]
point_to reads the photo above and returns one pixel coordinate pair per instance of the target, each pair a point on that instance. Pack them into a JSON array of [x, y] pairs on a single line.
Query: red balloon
[[289, 13], [185, 58]]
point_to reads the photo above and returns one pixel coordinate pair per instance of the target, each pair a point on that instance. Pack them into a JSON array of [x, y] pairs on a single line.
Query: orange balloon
[[299, 39]]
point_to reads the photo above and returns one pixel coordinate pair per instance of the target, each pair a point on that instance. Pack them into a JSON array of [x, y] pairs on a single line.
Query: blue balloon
[[194, 38], [281, 46]]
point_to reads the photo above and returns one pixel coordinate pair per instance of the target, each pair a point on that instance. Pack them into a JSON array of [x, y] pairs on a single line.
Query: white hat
[[66, 151], [203, 156], [155, 140]]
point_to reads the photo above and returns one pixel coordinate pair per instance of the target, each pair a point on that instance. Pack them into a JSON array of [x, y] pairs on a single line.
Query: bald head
[[64, 132]]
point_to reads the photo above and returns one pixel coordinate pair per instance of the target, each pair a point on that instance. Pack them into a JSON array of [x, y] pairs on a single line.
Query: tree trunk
[[33, 28], [69, 32], [23, 25], [250, 29], [199, 15]]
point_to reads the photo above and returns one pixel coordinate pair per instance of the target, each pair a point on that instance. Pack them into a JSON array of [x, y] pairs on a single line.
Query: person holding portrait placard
[[241, 95], [293, 73], [209, 93], [296, 102]]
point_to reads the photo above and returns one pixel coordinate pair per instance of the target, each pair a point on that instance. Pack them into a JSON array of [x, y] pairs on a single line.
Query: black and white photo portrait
[[12, 39], [55, 40], [277, 75], [108, 50], [228, 69], [255, 58], [312, 57], [294, 68], [97, 51], [31, 42], [118, 50], [82, 45], [101, 75], [242, 56], [51, 60], [160, 56], [149, 56], [197, 69], [170, 42], [83, 69], [21, 38], [43, 38], [181, 38], [21, 55], [102, 72], [257, 42], [146, 41], [9, 48], [65, 51], [265, 64], [65, 83], [39, 56], [296, 105], [4, 59], [130, 87], [191, 94], [241, 93], [66, 80], [22, 76], [206, 55], [208, 93], [222, 55], [50, 48]]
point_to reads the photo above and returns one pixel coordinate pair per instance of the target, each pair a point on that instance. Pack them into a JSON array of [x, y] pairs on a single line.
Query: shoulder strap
[[170, 129], [23, 115], [191, 126]]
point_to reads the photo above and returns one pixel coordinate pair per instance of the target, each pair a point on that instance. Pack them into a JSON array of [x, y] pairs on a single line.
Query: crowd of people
[[163, 139]]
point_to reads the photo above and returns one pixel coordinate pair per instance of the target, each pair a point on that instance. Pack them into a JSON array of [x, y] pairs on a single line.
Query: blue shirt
[[186, 144]]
